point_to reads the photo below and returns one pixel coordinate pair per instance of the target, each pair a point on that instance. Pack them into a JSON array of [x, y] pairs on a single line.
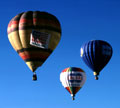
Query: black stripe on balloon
[[34, 49], [44, 15], [47, 18], [102, 59], [99, 60], [74, 90], [37, 27], [14, 29], [40, 28], [34, 59]]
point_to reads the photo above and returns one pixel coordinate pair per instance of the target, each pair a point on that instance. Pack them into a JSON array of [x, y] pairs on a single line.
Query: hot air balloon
[[96, 54], [72, 79], [34, 35]]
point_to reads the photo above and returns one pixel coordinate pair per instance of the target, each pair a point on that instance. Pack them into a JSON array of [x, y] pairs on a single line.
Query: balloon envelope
[[96, 54], [73, 79], [34, 36]]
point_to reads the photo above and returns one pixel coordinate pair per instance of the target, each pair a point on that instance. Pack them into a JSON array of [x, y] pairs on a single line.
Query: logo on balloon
[[39, 39], [75, 79], [106, 50]]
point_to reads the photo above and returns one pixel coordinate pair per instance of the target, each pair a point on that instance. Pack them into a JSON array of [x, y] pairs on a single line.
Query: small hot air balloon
[[72, 79], [96, 54], [34, 35]]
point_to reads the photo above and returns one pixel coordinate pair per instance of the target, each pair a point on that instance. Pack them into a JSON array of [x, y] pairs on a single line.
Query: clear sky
[[81, 21]]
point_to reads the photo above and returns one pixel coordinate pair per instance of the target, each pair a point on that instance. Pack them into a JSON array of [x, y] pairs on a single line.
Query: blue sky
[[81, 21]]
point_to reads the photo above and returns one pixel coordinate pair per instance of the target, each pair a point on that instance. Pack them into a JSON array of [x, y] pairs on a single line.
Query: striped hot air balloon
[[34, 35], [96, 54], [73, 79]]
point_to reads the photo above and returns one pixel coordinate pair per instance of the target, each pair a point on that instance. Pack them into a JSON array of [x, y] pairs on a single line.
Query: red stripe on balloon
[[65, 70], [68, 89], [32, 56], [25, 21]]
